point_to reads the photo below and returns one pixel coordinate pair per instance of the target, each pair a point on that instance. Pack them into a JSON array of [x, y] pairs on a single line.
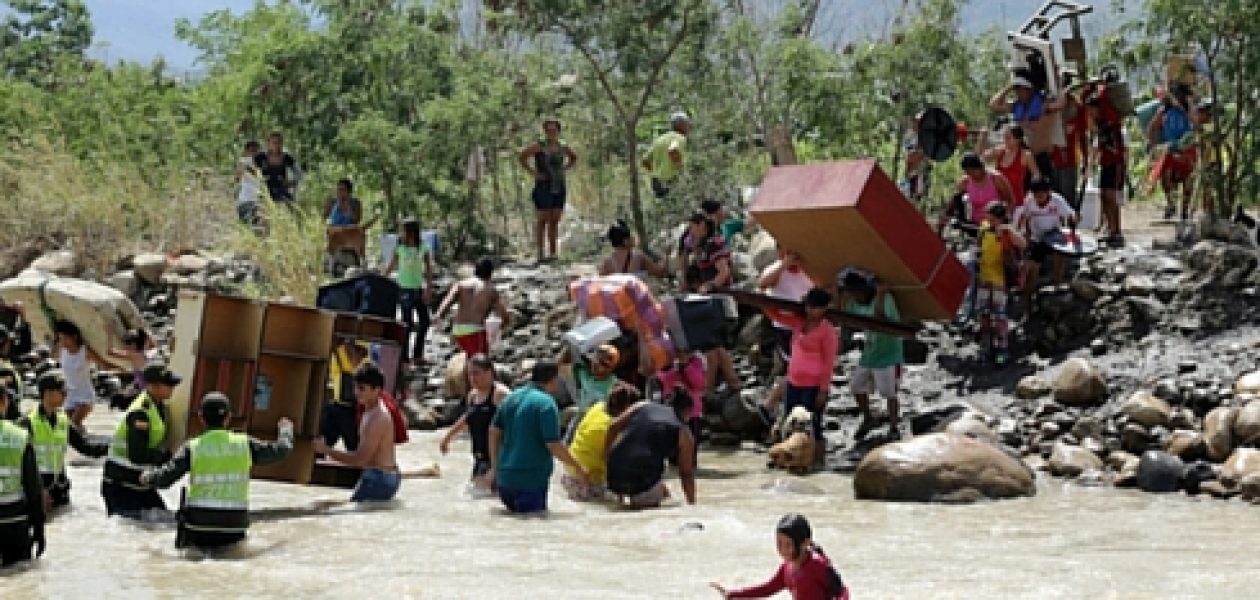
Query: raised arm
[[687, 464], [447, 301], [998, 102]]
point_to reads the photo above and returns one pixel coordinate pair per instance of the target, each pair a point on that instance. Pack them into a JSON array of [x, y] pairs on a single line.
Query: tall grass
[[104, 211], [289, 256]]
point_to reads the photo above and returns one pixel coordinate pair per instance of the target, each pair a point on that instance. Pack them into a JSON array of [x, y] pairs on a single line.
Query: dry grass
[[103, 212], [289, 256]]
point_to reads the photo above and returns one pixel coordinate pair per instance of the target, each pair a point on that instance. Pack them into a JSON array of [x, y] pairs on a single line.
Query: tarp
[[627, 300], [849, 213]]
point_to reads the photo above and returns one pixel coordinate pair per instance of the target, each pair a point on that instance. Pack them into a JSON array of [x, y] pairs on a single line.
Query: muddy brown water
[[437, 542]]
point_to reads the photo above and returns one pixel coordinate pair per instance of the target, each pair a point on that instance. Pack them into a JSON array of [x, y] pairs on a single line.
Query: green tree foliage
[[626, 47], [37, 34], [1225, 32]]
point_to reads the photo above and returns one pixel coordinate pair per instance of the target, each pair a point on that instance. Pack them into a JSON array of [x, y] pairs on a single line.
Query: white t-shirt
[[791, 286], [250, 182], [78, 374], [1045, 219]]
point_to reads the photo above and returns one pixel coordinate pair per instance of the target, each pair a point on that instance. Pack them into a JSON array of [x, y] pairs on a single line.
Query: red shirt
[[811, 581]]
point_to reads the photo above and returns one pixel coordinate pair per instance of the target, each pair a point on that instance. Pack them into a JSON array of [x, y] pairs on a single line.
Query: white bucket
[[1091, 208], [389, 242], [494, 330]]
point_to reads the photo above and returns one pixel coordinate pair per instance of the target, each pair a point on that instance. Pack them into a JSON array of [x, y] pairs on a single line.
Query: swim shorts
[[376, 485]]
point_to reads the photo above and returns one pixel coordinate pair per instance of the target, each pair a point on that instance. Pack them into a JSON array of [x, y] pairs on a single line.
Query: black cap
[[214, 406], [158, 372], [51, 380]]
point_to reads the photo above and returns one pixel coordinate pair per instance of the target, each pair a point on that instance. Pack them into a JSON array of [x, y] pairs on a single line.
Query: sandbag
[[102, 313]]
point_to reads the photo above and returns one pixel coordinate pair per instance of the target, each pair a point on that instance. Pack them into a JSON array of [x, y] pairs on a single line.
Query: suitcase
[[700, 322]]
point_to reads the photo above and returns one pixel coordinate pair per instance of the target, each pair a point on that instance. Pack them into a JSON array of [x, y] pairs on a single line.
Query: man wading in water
[[375, 454]]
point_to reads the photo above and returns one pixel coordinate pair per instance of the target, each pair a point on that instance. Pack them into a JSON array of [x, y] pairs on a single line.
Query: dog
[[1248, 223], [796, 452]]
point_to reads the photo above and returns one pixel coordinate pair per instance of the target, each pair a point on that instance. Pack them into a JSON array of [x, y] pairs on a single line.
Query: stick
[[839, 317]]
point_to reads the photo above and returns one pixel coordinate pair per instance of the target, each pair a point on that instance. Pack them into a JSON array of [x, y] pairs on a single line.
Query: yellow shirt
[[588, 442], [992, 267], [663, 167]]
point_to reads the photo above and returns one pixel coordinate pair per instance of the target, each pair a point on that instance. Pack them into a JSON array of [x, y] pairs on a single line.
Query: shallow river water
[[437, 542]]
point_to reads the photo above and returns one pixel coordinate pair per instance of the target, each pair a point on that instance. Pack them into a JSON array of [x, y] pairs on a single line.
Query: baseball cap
[[158, 372], [51, 380], [214, 406]]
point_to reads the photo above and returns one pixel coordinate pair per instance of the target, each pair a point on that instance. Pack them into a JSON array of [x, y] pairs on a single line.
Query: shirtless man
[[476, 297], [375, 454]]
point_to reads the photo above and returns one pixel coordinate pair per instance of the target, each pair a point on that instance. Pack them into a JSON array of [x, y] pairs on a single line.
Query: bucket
[[494, 330], [389, 242], [430, 239], [1091, 207]]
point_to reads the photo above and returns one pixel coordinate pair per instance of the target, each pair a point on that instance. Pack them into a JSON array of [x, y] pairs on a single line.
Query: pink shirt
[[813, 351], [980, 195], [691, 378]]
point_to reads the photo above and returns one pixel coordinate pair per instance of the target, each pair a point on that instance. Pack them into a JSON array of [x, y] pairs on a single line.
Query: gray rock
[[1146, 409], [1246, 430], [1031, 387], [941, 467], [1186, 444], [1218, 437], [1159, 472], [1071, 461]]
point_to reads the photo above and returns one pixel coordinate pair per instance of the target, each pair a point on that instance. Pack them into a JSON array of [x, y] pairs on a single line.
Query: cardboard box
[[849, 213]]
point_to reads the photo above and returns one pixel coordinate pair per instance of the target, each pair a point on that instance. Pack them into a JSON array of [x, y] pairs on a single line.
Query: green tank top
[[411, 266]]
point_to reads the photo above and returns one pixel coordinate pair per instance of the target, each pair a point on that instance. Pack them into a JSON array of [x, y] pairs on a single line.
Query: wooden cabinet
[[271, 360]]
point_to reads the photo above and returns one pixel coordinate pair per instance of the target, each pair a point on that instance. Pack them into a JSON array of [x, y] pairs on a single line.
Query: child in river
[[806, 572], [76, 359]]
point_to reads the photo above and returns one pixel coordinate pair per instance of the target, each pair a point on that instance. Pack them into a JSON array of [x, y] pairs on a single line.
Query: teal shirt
[[880, 350], [590, 389], [730, 227], [530, 420]]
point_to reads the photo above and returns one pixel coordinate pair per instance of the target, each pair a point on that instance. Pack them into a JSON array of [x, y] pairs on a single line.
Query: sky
[[141, 30]]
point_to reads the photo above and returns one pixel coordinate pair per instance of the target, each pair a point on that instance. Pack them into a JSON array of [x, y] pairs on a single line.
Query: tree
[[38, 33], [1223, 33], [627, 46]]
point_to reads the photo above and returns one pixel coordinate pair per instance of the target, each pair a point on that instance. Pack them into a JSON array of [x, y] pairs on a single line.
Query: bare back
[[376, 436], [476, 299]]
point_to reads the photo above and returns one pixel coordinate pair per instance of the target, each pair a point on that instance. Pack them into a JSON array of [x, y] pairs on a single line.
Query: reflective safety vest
[[50, 443], [157, 430], [13, 442], [219, 475]]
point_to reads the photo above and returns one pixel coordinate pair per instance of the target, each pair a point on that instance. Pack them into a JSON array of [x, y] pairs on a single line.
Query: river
[[436, 542]]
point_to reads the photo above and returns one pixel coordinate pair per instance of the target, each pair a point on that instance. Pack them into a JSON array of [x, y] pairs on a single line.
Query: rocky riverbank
[[1141, 371]]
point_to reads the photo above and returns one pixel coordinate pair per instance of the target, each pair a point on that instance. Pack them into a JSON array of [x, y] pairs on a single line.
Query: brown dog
[[796, 452]]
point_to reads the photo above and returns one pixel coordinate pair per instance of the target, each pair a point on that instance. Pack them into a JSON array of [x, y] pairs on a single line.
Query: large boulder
[[1248, 384], [1144, 408], [1159, 472], [1218, 437], [63, 263], [1079, 382], [741, 416], [941, 467], [972, 425], [456, 380], [1071, 461], [1243, 462], [149, 267], [1247, 425]]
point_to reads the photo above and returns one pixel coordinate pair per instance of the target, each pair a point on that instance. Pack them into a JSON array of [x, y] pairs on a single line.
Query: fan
[[938, 134]]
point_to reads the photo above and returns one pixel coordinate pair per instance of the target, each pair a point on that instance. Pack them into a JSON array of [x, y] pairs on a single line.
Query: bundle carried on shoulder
[[102, 313]]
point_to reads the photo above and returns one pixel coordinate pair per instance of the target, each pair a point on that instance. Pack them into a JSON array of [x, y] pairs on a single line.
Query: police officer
[[218, 462], [52, 433], [21, 495], [9, 375], [139, 442]]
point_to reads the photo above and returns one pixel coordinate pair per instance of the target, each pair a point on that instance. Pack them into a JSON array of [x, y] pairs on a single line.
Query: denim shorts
[[524, 501], [376, 485]]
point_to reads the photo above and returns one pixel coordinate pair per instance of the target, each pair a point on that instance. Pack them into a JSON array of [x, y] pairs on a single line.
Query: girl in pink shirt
[[806, 572], [814, 348]]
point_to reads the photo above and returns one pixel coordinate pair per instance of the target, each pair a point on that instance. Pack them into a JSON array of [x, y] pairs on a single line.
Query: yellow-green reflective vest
[[50, 443], [219, 474], [13, 442], [157, 430]]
